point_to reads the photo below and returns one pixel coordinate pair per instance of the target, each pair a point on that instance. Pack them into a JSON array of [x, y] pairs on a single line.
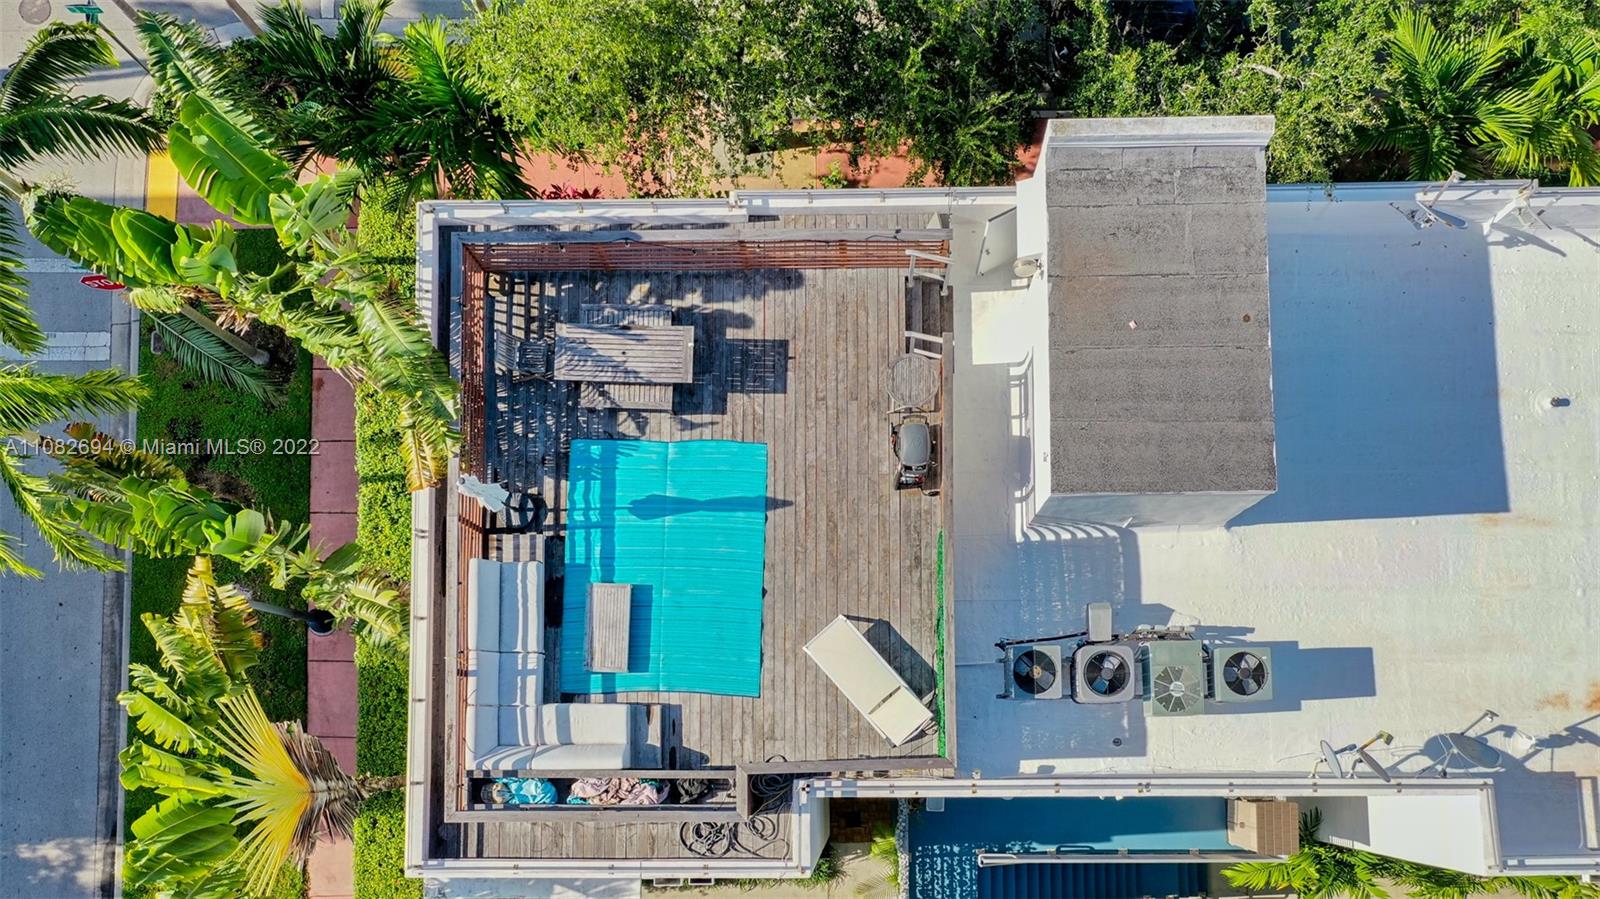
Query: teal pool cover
[[685, 523]]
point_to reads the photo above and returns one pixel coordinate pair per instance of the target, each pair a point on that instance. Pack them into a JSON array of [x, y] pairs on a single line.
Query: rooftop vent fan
[[1105, 673], [1035, 671], [1244, 673], [1172, 693], [1241, 673], [1176, 671]]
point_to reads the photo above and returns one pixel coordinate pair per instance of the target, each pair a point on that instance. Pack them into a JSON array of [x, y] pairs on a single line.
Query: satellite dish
[[1382, 772], [1330, 757]]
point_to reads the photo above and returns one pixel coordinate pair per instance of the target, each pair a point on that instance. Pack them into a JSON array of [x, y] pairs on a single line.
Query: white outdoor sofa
[[862, 675], [509, 727]]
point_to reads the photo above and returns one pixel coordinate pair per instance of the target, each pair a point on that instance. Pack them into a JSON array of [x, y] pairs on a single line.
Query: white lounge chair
[[861, 674]]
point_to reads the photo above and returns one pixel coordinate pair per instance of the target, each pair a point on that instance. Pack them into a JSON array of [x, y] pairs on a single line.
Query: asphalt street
[[63, 639]]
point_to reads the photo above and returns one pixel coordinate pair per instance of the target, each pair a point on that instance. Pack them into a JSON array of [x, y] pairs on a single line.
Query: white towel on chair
[[492, 497]]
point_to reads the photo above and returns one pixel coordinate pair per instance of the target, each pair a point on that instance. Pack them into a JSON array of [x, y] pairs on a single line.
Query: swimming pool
[[944, 846]]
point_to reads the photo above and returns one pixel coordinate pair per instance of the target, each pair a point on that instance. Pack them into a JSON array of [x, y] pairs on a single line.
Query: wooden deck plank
[[839, 540]]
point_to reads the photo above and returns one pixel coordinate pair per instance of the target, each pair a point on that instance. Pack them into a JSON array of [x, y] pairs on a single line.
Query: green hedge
[[383, 505], [381, 721], [387, 228], [380, 850]]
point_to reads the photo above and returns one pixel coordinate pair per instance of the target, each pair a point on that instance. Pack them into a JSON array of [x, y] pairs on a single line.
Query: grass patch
[[380, 850], [182, 408]]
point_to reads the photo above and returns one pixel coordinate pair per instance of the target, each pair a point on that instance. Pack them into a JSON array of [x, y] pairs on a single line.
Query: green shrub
[[386, 227], [380, 850], [382, 677], [291, 885], [383, 505]]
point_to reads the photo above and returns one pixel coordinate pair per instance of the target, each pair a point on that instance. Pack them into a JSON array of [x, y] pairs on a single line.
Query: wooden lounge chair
[[861, 674]]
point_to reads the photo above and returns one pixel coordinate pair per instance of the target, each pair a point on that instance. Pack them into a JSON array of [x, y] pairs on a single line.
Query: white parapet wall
[[1443, 830], [1443, 822]]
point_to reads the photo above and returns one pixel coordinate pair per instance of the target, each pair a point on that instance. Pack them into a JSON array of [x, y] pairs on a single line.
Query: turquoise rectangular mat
[[685, 523]]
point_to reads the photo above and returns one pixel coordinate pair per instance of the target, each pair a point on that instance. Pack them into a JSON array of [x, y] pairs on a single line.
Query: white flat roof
[[1432, 551]]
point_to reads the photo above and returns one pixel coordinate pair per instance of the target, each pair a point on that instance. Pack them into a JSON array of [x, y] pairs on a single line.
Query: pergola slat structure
[[699, 255]]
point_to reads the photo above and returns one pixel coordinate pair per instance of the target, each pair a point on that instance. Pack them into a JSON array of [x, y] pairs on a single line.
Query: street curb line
[[161, 187]]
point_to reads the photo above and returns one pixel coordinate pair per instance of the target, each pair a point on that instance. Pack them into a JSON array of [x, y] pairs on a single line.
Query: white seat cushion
[[483, 678], [582, 757], [519, 679], [518, 725], [502, 758], [483, 605], [586, 722], [521, 614], [481, 733]]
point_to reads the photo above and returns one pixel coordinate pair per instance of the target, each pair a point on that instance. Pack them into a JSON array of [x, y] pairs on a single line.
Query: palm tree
[[241, 796], [39, 118], [406, 108], [291, 791], [141, 502], [332, 82], [438, 130], [1568, 98], [30, 400], [330, 296], [1457, 103]]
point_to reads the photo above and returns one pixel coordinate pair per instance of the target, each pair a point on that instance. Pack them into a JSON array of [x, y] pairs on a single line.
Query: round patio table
[[914, 382]]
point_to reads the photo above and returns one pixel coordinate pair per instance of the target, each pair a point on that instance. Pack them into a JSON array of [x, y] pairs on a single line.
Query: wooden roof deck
[[798, 360]]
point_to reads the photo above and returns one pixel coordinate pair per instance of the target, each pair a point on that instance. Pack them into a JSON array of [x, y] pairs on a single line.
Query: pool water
[[943, 846]]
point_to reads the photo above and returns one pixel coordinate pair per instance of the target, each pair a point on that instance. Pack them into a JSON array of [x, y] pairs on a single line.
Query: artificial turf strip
[[183, 408], [940, 707], [380, 850]]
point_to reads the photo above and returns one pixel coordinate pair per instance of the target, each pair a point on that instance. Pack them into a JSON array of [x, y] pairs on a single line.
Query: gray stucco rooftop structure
[[1160, 346]]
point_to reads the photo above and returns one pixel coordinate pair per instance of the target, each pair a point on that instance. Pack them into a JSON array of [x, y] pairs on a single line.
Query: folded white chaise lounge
[[862, 675], [509, 727]]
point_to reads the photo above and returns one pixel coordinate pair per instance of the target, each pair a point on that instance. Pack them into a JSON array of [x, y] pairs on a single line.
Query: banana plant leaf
[[213, 149], [179, 838]]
